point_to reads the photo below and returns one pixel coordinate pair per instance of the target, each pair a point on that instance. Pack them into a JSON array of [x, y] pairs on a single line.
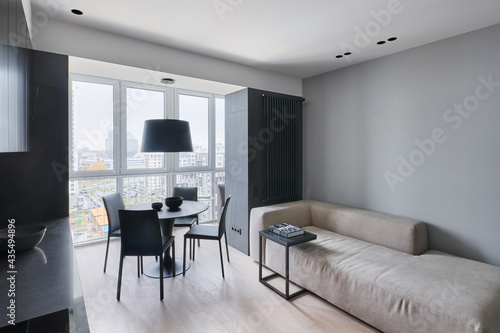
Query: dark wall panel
[[14, 39], [35, 183], [263, 150]]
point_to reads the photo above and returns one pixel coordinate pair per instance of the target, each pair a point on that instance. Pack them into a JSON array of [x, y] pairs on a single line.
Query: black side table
[[286, 242]]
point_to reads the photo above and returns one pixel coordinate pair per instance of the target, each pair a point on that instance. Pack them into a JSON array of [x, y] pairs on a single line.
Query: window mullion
[[211, 132], [121, 124]]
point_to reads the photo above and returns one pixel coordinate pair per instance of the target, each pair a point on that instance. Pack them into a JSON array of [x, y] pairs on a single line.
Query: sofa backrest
[[395, 232], [296, 212]]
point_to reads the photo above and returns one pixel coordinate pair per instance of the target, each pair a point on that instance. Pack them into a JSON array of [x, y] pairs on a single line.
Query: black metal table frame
[[287, 243]]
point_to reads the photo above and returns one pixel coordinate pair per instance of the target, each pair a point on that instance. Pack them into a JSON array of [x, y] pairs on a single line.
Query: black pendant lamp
[[166, 135]]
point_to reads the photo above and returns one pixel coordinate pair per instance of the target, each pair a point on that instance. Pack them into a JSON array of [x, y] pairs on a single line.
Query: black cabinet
[[263, 155], [35, 183], [14, 61]]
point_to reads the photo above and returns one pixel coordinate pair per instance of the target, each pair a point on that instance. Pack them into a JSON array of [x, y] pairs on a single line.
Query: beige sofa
[[378, 268]]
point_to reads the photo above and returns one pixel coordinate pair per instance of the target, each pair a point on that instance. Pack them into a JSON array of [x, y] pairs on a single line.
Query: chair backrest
[[222, 221], [141, 234], [221, 194], [188, 193], [113, 203]]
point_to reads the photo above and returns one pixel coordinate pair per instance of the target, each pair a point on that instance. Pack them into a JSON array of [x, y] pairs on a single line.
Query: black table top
[[305, 237], [187, 208], [47, 279]]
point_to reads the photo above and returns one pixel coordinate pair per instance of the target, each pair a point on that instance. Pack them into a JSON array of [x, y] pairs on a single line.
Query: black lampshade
[[166, 135]]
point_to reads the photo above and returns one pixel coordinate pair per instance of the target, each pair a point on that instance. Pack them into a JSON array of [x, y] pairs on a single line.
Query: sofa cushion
[[392, 290], [395, 232]]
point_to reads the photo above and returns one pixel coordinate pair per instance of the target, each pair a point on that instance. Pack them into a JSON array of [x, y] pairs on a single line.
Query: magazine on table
[[286, 230]]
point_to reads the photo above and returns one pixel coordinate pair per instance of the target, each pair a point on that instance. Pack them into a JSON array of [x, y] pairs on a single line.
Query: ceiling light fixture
[[348, 53], [166, 135], [77, 12], [382, 42], [167, 80]]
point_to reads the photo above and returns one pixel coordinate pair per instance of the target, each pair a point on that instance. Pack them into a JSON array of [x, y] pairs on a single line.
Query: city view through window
[[107, 119]]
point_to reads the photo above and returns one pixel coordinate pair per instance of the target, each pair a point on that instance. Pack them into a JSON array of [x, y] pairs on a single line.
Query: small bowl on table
[[173, 203], [26, 237], [157, 205]]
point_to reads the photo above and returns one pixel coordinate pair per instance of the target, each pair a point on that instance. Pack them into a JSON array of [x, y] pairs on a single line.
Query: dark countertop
[[47, 279]]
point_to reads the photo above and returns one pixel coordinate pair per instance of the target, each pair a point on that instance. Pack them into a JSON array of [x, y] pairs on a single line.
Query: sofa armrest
[[297, 213]]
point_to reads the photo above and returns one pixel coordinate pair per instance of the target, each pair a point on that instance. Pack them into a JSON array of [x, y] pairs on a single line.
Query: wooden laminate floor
[[201, 301]]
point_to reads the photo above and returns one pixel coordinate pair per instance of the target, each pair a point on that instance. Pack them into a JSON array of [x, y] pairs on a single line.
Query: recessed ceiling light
[[167, 80], [347, 53], [382, 42], [339, 56], [392, 39], [77, 12]]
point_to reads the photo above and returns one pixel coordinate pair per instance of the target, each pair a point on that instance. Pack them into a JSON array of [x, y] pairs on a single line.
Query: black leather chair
[[188, 193], [221, 194], [210, 232], [112, 203], [141, 236]]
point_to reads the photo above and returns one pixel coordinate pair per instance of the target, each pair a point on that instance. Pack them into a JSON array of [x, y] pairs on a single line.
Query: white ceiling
[[295, 37], [146, 76]]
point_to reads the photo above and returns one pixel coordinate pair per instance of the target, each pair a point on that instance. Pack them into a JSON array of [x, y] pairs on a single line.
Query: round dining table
[[167, 218]]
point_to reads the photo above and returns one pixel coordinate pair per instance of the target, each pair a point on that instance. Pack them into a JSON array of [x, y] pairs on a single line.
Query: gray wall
[[237, 168], [361, 124]]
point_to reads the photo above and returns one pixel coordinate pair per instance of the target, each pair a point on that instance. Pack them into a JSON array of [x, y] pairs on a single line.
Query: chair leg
[[119, 278], [221, 260], [197, 222], [227, 248], [184, 259], [190, 248], [173, 256], [138, 267], [194, 247], [142, 266], [106, 257], [161, 277]]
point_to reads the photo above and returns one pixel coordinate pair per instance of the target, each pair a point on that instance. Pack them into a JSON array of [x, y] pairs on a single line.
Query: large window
[[92, 126], [142, 105], [107, 120], [195, 109]]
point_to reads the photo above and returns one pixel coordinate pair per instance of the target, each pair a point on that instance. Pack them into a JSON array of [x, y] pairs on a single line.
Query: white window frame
[[211, 131], [213, 140], [168, 111], [171, 169], [116, 130]]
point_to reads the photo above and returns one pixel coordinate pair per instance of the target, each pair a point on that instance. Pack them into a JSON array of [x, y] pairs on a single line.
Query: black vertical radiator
[[282, 137]]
